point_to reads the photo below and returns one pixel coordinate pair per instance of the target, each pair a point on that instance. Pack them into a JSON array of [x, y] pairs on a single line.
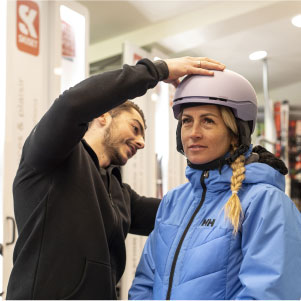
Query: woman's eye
[[185, 120], [208, 120]]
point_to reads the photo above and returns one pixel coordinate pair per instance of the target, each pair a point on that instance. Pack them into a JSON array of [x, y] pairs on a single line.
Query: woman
[[230, 232]]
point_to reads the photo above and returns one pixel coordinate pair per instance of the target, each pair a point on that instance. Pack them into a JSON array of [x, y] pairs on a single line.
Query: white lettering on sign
[[28, 41], [28, 26], [28, 17]]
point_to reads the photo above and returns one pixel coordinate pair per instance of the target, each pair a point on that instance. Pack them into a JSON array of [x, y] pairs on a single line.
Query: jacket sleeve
[[142, 286], [271, 248], [143, 213], [66, 122]]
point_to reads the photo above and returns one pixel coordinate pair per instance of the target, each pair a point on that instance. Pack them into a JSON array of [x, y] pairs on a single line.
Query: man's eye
[[136, 130]]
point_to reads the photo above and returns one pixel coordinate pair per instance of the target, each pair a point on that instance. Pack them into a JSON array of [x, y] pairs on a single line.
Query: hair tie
[[234, 191]]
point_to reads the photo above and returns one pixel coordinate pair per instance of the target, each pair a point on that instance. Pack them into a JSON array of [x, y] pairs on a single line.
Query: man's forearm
[[66, 122]]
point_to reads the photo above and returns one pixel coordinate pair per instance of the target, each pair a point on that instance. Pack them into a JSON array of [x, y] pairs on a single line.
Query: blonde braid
[[233, 208]]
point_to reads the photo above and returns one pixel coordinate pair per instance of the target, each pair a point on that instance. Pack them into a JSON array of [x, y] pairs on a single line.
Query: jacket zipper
[[115, 216], [109, 189], [204, 176]]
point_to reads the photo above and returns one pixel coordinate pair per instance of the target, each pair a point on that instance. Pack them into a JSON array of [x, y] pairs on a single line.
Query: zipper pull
[[204, 176], [111, 199]]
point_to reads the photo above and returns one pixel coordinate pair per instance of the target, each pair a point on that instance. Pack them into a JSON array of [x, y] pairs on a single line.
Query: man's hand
[[179, 67]]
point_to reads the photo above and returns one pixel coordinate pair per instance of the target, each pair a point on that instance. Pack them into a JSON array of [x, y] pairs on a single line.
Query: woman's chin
[[197, 161]]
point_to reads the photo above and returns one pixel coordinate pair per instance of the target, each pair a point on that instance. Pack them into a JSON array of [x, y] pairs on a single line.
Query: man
[[72, 210]]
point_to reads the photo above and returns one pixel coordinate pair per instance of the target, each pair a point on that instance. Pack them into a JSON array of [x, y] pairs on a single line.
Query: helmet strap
[[180, 148], [220, 162], [244, 132]]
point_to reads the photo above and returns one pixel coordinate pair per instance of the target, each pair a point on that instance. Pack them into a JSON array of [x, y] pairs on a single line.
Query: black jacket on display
[[73, 216]]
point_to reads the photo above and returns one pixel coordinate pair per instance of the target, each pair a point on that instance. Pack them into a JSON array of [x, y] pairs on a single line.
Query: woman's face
[[205, 137]]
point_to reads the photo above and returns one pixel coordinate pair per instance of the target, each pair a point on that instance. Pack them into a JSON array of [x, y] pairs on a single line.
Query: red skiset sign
[[28, 24]]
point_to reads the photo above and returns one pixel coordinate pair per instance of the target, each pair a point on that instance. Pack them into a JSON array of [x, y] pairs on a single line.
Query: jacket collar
[[256, 173], [111, 169]]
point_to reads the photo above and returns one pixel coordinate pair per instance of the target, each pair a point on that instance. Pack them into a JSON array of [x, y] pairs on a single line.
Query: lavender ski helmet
[[226, 88]]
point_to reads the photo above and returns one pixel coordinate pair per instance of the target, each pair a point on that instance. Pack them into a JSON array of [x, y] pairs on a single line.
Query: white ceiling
[[224, 30]]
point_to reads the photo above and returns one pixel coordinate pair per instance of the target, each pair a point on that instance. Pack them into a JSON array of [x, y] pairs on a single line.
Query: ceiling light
[[258, 55], [297, 21]]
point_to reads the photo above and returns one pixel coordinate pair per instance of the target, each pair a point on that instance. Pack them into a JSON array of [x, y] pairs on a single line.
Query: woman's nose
[[196, 131]]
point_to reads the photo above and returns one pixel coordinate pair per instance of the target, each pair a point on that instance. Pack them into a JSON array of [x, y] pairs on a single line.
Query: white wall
[[290, 92], [3, 20]]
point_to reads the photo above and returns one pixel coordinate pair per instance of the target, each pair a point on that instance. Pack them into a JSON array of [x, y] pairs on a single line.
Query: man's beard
[[112, 145]]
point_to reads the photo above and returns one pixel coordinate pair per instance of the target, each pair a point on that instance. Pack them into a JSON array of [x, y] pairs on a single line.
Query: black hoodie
[[73, 216]]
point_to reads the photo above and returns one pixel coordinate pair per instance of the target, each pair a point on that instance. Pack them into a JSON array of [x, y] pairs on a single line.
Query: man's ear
[[104, 119]]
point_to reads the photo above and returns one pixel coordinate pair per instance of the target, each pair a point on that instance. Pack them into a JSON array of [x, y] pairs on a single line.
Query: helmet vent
[[218, 98]]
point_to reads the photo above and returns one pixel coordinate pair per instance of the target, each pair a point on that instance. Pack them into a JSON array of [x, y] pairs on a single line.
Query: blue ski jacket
[[192, 252]]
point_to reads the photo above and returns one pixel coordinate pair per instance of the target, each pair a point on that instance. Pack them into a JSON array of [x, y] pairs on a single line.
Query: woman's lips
[[196, 147]]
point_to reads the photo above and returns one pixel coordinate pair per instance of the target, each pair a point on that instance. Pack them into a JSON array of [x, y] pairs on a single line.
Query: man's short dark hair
[[127, 106]]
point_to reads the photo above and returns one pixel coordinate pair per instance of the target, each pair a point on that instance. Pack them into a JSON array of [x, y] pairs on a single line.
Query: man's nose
[[139, 141]]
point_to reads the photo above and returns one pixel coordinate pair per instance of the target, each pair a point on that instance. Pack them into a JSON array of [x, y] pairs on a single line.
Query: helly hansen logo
[[208, 222], [28, 19]]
